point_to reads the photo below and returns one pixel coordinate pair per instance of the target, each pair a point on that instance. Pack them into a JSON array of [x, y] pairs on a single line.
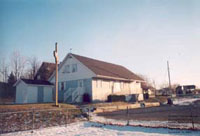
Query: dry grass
[[160, 99], [108, 104], [26, 107]]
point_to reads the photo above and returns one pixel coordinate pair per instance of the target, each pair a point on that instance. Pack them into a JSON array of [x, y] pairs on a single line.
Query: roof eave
[[117, 78], [39, 85]]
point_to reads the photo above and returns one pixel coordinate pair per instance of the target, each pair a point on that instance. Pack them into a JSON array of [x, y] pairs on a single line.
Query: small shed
[[33, 91]]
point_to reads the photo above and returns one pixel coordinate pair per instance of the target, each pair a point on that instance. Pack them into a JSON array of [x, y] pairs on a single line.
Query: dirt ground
[[182, 114]]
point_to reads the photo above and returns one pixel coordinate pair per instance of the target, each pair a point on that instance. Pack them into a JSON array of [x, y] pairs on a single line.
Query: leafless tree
[[4, 70], [18, 64], [149, 82], [33, 67]]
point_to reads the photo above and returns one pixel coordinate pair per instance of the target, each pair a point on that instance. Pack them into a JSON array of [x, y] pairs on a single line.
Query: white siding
[[26, 93], [135, 88], [117, 87], [82, 71], [21, 94], [48, 94], [32, 92], [101, 89]]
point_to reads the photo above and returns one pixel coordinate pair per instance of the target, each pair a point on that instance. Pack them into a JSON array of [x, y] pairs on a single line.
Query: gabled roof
[[36, 82], [107, 69], [45, 71]]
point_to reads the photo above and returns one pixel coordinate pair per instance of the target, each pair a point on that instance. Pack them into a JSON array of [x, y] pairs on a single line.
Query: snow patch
[[155, 124], [184, 101], [96, 129]]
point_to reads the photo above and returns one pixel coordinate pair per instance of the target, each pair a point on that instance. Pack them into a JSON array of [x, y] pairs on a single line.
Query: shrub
[[116, 98], [86, 98]]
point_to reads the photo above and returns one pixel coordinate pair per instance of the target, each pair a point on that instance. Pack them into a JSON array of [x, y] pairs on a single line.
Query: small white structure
[[33, 91]]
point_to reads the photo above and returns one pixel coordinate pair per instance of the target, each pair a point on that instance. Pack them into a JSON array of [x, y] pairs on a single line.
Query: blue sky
[[138, 34]]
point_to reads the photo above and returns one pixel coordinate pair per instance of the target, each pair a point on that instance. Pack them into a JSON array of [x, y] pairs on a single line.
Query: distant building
[[33, 91], [148, 90], [164, 91], [185, 89]]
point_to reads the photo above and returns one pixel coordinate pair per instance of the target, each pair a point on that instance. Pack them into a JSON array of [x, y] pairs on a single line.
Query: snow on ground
[[184, 101], [165, 124], [95, 129]]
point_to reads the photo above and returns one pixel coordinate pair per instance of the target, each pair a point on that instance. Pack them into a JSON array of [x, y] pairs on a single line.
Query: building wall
[[32, 94], [73, 87], [48, 94], [29, 93], [21, 93], [136, 88], [82, 71], [97, 92], [102, 88], [72, 80]]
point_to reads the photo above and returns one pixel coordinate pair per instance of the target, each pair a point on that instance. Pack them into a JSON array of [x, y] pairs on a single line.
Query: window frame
[[80, 83], [62, 86], [67, 69], [74, 68]]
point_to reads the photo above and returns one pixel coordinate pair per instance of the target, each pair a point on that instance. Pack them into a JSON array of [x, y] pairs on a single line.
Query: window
[[80, 83], [62, 86], [74, 68], [67, 69]]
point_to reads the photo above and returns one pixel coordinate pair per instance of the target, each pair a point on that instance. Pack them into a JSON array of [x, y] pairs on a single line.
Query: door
[[40, 94]]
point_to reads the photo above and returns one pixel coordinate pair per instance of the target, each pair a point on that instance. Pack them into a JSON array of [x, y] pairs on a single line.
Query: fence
[[34, 119], [175, 116]]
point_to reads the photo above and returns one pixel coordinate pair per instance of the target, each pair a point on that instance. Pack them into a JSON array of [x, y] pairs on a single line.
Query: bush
[[169, 101], [116, 98], [86, 98], [146, 96]]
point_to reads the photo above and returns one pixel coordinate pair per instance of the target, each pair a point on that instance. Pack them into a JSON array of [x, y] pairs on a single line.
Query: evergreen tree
[[11, 79]]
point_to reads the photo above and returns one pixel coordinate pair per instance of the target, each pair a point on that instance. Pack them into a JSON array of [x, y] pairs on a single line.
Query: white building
[[79, 76], [33, 91]]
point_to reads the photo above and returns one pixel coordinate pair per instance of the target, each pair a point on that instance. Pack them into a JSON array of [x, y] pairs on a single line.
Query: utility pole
[[55, 53], [169, 75]]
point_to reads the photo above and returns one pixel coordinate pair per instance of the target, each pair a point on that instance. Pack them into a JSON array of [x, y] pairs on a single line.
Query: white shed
[[33, 91]]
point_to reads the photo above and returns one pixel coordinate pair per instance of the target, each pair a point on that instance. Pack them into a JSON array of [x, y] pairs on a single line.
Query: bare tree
[[18, 63], [4, 70], [149, 82], [34, 66]]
